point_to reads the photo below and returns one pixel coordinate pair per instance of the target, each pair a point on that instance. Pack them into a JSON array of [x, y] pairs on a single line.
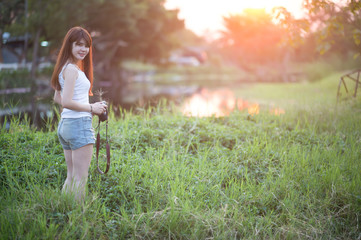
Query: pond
[[192, 100], [16, 102]]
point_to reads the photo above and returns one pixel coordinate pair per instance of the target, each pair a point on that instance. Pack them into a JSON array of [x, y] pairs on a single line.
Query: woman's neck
[[75, 62]]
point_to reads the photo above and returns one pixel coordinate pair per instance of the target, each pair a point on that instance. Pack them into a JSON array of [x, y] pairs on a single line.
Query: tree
[[337, 26], [144, 26], [10, 12], [130, 29], [252, 36]]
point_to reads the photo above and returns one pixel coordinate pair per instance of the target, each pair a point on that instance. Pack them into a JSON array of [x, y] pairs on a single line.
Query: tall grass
[[294, 176]]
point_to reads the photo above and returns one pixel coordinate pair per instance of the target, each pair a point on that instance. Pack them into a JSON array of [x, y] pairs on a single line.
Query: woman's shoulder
[[70, 70], [71, 67]]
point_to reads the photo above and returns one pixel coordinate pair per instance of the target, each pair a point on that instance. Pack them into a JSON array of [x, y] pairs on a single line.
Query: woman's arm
[[70, 76], [57, 97]]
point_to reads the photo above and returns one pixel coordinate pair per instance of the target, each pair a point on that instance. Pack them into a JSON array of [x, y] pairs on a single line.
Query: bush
[[14, 79]]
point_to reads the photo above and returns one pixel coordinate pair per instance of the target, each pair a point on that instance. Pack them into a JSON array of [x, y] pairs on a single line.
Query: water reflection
[[17, 103], [142, 95], [193, 101], [220, 103]]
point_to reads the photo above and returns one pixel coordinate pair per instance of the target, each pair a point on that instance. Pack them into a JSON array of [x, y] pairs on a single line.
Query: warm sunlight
[[202, 16]]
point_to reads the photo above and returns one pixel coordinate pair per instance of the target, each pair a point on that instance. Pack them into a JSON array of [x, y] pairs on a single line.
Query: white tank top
[[81, 94]]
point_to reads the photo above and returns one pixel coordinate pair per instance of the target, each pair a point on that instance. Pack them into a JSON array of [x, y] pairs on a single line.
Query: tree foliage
[[144, 26], [253, 36], [336, 25], [10, 12], [142, 29]]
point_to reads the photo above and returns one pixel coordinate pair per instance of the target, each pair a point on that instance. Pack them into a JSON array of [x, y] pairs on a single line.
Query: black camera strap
[[106, 147]]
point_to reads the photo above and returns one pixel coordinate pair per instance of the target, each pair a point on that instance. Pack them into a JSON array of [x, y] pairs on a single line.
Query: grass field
[[293, 176]]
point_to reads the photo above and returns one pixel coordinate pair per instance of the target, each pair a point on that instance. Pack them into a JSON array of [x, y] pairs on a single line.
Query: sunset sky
[[206, 15]]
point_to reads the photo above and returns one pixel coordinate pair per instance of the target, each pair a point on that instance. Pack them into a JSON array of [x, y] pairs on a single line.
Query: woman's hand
[[98, 108]]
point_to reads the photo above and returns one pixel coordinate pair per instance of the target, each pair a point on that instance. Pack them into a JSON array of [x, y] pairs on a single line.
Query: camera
[[104, 116]]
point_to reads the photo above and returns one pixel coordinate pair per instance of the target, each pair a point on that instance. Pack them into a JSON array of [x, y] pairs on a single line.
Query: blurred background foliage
[[147, 31]]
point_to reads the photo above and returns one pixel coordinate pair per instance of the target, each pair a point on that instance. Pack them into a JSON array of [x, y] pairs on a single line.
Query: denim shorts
[[75, 133]]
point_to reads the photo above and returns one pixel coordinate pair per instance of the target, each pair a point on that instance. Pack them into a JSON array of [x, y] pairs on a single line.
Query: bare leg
[[69, 176], [81, 162]]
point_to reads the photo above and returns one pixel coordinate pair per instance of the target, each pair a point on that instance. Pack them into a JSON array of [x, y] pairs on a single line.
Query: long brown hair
[[75, 34]]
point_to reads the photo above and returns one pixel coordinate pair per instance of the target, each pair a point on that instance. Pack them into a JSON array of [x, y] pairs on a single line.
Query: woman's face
[[80, 50]]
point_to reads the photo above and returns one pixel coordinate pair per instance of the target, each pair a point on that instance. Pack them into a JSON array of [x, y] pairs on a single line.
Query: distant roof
[[7, 38]]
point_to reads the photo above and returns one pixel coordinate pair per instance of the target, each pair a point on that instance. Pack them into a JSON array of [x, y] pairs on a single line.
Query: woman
[[72, 80]]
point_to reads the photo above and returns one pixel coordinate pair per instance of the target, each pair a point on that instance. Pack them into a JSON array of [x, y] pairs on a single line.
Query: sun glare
[[206, 15]]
